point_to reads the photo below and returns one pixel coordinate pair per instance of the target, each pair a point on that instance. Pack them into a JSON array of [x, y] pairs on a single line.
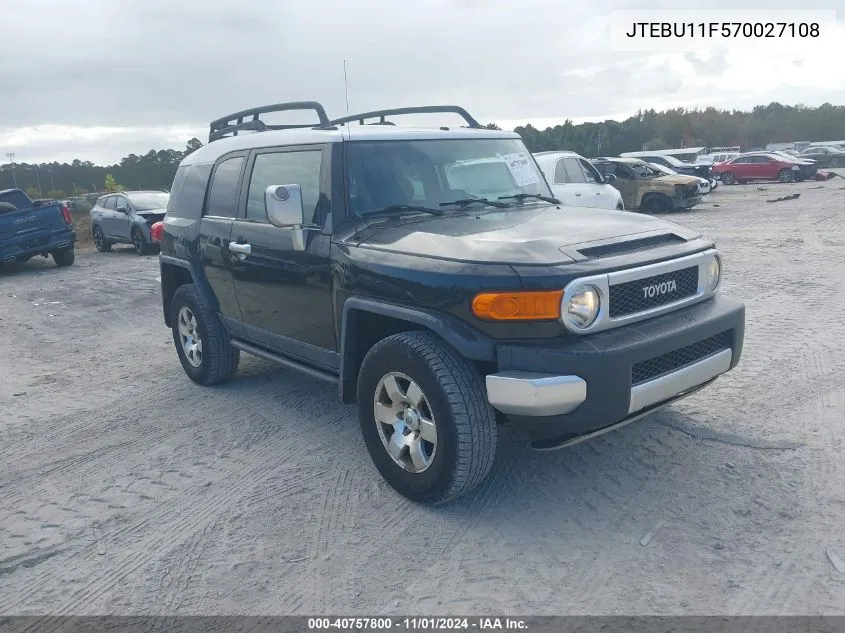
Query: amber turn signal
[[517, 306]]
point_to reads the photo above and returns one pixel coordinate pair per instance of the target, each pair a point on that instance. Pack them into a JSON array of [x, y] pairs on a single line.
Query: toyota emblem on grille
[[656, 290]]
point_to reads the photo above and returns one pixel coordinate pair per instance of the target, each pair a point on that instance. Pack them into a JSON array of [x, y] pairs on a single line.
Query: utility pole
[[38, 180], [11, 157]]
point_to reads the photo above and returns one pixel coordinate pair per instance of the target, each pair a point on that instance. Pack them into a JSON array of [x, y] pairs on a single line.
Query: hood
[[529, 235], [678, 179], [151, 212]]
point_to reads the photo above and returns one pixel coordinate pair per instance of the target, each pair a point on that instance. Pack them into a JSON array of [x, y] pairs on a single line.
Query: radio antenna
[[346, 86]]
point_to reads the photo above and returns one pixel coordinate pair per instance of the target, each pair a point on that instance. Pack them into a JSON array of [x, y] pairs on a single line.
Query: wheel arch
[[177, 272], [365, 322]]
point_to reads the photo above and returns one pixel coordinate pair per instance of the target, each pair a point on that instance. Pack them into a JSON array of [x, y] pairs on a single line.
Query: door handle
[[577, 194], [241, 251], [244, 249]]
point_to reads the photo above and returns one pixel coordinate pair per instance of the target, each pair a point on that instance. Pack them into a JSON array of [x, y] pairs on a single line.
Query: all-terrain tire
[[219, 360], [464, 420], [64, 257]]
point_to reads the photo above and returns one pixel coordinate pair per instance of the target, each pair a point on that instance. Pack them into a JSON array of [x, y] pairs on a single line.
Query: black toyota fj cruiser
[[444, 301]]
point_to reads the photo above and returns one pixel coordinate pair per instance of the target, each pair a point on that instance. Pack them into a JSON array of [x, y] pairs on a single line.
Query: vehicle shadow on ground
[[663, 460]]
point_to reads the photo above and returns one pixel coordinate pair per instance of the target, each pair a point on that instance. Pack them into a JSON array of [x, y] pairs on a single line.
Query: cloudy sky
[[99, 79]]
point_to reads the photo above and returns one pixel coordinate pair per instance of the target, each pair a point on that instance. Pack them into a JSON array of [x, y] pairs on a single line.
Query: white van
[[575, 182]]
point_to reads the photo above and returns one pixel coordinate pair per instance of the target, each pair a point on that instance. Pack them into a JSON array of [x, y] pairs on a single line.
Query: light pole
[[11, 157]]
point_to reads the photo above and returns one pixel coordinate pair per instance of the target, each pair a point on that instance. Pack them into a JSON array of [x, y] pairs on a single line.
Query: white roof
[[664, 152], [304, 136], [546, 157]]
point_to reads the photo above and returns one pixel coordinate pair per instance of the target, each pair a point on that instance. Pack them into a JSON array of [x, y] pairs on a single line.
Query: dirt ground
[[126, 489]]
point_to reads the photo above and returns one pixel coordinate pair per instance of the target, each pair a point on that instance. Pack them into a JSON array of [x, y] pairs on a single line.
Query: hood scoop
[[630, 246]]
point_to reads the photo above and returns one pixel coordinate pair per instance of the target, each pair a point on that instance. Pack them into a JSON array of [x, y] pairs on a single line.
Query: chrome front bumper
[[537, 394]]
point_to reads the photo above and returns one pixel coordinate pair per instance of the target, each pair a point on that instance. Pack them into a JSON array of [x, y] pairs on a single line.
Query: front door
[[220, 211], [285, 294], [122, 219], [626, 183]]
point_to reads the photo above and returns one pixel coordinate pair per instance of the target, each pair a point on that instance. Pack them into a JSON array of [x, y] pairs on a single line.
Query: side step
[[287, 362]]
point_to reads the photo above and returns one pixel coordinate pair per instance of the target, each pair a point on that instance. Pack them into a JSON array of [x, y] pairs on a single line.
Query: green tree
[[111, 184]]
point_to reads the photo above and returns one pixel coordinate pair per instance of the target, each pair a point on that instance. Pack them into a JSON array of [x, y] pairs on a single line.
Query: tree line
[[647, 129]]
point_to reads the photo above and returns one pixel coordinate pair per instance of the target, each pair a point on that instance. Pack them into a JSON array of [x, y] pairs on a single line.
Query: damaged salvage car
[[442, 303], [645, 188], [127, 217]]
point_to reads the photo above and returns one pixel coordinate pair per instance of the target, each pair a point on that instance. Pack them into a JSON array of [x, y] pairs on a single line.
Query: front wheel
[[657, 203], [835, 162], [425, 418], [139, 242], [786, 175], [64, 257], [202, 342]]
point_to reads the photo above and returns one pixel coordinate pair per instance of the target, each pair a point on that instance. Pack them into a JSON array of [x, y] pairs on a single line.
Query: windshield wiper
[[465, 202], [523, 196], [395, 209]]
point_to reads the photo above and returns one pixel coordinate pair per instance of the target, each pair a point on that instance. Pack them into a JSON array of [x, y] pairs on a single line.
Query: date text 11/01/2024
[[417, 624], [724, 30]]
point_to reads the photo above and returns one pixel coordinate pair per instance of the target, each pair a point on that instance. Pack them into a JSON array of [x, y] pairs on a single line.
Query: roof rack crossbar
[[382, 114], [233, 123]]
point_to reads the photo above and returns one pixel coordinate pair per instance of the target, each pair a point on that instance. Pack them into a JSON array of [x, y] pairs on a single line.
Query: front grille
[[632, 246], [652, 292], [675, 360]]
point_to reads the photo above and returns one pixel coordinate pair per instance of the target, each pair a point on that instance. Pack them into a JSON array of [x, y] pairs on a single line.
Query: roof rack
[[381, 114], [234, 123]]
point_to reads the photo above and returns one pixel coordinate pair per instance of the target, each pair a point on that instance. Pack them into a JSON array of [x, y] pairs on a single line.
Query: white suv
[[576, 182]]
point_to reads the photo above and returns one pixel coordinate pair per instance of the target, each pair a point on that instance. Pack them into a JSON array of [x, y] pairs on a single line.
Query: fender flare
[[469, 342]]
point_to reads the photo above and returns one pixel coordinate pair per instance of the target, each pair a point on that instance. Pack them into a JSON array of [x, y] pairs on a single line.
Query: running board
[[550, 445], [285, 361]]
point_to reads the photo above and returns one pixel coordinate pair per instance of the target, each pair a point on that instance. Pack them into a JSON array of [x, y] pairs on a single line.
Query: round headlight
[[714, 274], [583, 306]]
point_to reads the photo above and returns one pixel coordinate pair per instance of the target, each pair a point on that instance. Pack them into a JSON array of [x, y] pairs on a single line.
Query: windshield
[[675, 162], [643, 170], [435, 173], [662, 169], [149, 201]]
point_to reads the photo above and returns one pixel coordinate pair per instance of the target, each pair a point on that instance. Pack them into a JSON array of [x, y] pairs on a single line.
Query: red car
[[757, 167]]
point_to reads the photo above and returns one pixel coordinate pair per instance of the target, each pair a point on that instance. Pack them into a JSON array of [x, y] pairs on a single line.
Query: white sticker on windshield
[[521, 169]]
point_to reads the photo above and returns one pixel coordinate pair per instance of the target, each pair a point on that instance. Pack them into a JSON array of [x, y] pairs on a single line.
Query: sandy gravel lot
[[126, 489]]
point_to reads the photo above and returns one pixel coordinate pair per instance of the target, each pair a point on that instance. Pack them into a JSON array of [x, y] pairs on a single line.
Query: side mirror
[[611, 178], [121, 209], [284, 210]]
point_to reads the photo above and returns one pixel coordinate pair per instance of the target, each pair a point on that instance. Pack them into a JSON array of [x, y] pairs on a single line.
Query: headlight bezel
[[709, 286], [579, 291]]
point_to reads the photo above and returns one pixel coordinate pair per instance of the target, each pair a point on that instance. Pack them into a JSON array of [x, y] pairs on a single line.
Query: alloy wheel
[[189, 336], [405, 422]]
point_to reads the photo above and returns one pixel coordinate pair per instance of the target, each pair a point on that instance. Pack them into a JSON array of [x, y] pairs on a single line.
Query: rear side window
[[223, 194], [561, 177], [187, 193]]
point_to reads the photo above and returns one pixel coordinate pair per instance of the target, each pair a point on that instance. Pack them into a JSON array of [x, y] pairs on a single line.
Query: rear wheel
[[786, 175], [425, 418], [64, 257], [728, 178], [100, 241], [835, 162], [202, 342]]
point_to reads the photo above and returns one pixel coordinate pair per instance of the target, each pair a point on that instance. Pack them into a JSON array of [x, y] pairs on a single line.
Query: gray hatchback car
[[125, 217]]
